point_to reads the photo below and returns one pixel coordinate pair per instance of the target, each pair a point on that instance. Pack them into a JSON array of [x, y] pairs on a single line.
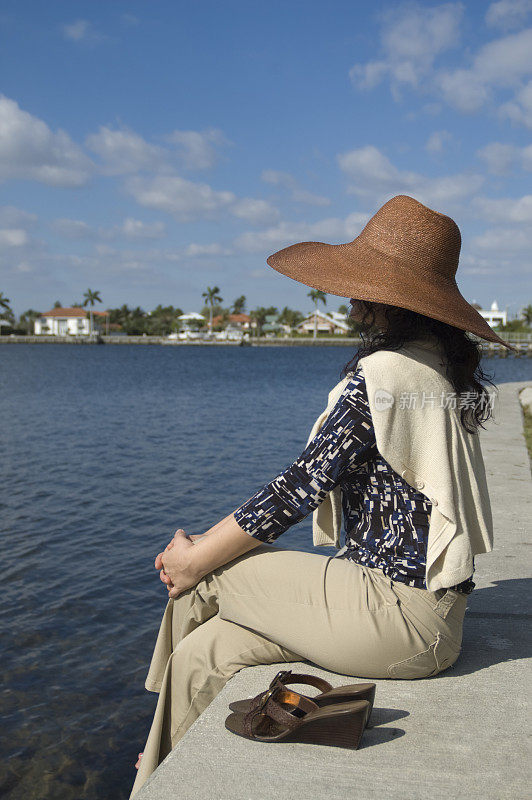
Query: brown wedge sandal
[[329, 695], [286, 716]]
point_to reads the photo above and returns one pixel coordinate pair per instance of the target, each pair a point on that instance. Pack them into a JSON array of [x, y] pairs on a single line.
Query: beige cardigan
[[431, 450]]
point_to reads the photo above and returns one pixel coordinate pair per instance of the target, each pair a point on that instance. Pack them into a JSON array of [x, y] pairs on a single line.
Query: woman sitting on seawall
[[396, 454]]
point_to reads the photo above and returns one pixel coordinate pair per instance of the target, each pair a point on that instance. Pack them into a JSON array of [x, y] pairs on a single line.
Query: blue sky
[[149, 150]]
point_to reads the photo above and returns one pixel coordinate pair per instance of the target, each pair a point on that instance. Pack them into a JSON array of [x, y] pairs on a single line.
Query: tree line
[[164, 320]]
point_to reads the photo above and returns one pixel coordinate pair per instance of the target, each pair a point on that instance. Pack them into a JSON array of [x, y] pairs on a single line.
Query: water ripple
[[105, 453]]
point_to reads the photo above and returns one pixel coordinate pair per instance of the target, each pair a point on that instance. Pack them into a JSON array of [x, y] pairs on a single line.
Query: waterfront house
[[333, 323], [191, 326], [494, 316], [191, 321], [237, 322], [272, 326], [69, 322], [237, 326]]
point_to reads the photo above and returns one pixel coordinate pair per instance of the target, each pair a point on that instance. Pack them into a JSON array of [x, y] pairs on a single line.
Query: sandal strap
[[285, 677], [272, 708], [312, 680]]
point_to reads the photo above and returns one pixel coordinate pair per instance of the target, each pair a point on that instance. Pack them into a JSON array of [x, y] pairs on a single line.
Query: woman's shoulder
[[411, 365], [355, 387]]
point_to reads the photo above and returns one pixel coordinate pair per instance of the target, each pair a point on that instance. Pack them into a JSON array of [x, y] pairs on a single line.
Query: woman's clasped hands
[[175, 564]]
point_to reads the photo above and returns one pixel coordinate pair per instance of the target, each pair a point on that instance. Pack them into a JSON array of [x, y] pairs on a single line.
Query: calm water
[[105, 452]]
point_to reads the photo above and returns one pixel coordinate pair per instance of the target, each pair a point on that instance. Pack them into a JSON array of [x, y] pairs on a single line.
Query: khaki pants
[[273, 605]]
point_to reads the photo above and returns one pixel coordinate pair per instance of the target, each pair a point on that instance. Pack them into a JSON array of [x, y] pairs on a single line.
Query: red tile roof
[[72, 312], [232, 318]]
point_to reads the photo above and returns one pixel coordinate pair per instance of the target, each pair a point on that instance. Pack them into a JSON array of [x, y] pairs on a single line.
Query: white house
[[68, 321], [333, 323], [189, 325], [191, 320], [493, 316]]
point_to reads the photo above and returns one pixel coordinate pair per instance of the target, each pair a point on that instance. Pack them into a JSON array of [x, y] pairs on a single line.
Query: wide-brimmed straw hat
[[406, 256]]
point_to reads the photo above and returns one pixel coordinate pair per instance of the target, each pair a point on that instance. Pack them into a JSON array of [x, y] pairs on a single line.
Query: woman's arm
[[345, 441]]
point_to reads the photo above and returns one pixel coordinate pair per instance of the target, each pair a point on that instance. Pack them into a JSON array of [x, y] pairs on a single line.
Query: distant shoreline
[[489, 348], [163, 340]]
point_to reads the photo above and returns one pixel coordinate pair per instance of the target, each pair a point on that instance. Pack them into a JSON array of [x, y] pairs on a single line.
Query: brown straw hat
[[406, 256]]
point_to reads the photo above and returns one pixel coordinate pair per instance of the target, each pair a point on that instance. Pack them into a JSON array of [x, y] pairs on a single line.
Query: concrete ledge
[[458, 735]]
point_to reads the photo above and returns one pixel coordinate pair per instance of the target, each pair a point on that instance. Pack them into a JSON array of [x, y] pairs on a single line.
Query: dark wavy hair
[[463, 354]]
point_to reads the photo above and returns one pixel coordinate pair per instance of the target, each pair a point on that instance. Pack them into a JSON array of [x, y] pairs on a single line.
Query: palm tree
[[259, 315], [90, 299], [5, 302], [527, 314], [239, 304], [27, 320], [316, 296], [7, 312], [212, 296], [290, 317]]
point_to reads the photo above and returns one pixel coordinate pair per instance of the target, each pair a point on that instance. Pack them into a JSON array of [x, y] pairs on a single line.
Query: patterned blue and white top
[[386, 520]]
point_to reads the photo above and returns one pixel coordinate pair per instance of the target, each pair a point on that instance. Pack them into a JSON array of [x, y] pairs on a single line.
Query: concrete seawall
[[460, 734], [488, 348]]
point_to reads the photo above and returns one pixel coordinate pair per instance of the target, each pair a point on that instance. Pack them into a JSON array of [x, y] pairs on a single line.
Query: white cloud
[[73, 228], [61, 274], [498, 64], [297, 194], [508, 14], [309, 198], [463, 89], [188, 201], [29, 150], [124, 152], [76, 30], [82, 30], [526, 155], [412, 37], [505, 209], [13, 237], [507, 240], [373, 175], [130, 19], [369, 75], [520, 108], [183, 199], [11, 216], [19, 250], [472, 264], [286, 233], [137, 267], [130, 229], [437, 140], [499, 157], [23, 266], [136, 229], [198, 148], [202, 250], [277, 178], [257, 212]]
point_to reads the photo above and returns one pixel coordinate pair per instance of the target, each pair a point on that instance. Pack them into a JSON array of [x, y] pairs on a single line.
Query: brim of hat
[[360, 271]]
